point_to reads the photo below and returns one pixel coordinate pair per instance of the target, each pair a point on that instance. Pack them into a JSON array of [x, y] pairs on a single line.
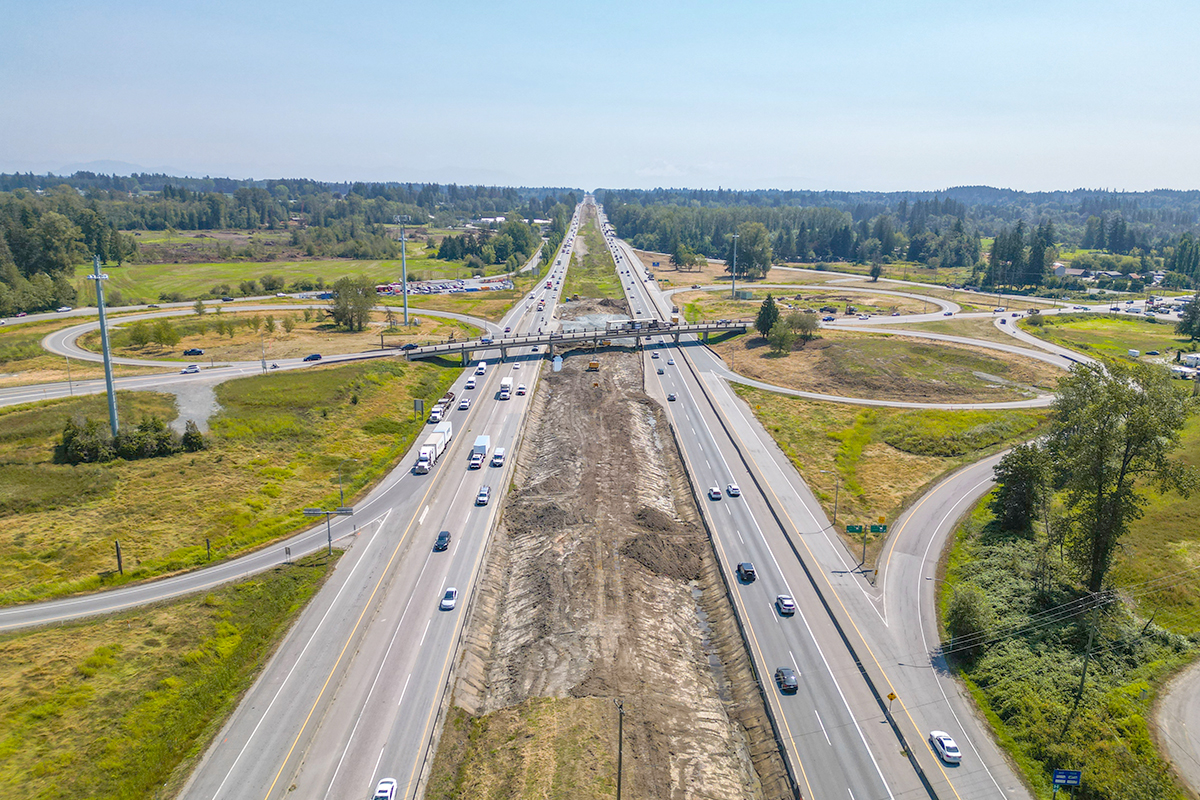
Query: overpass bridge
[[613, 332]]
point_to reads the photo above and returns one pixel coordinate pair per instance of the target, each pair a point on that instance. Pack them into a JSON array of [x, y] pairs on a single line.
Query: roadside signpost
[[1066, 777]]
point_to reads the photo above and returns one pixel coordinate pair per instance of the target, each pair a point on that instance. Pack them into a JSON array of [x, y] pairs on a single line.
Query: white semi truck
[[433, 447], [479, 451]]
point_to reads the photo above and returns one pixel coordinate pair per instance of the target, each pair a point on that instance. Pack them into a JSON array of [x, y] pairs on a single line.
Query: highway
[[354, 692], [892, 631]]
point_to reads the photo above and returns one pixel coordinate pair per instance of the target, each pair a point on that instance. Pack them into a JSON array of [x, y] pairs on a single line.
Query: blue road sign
[[1067, 777]]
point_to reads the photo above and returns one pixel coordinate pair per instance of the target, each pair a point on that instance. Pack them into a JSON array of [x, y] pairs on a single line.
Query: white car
[[654, 355], [670, 362], [785, 604], [470, 383], [864, 316], [62, 309], [945, 747], [464, 404], [485, 494], [190, 369], [449, 599], [520, 389], [386, 790], [733, 490], [714, 493]]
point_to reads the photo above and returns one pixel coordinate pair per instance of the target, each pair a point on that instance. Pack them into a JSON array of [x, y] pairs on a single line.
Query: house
[[1191, 359], [1063, 271]]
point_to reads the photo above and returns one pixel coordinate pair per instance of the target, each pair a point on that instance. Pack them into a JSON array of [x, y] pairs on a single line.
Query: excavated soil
[[601, 583]]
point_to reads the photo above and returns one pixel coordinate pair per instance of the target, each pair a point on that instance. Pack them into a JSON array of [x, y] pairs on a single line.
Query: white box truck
[[498, 457], [433, 447], [506, 387], [479, 451]]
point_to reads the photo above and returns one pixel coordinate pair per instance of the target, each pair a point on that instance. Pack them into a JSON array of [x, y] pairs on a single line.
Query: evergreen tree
[[768, 315]]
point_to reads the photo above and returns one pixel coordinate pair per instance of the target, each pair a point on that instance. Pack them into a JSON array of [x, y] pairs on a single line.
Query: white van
[[482, 368], [498, 457]]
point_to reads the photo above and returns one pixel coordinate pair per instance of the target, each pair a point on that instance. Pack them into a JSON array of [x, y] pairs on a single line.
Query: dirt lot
[[601, 584]]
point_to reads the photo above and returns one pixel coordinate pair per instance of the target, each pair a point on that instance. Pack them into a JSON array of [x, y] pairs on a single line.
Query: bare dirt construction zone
[[601, 584]]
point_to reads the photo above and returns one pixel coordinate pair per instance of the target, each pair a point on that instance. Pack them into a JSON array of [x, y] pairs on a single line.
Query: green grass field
[[1110, 335], [879, 460], [124, 706], [275, 448], [595, 274], [145, 283]]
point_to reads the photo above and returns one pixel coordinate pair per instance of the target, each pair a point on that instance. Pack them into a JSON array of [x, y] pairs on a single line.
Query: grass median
[[875, 462], [278, 445], [123, 707], [592, 272]]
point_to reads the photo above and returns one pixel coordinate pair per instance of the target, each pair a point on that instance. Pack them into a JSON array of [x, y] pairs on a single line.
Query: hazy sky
[[809, 94]]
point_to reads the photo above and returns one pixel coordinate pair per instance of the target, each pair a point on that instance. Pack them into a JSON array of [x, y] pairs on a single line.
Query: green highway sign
[[854, 529], [879, 529]]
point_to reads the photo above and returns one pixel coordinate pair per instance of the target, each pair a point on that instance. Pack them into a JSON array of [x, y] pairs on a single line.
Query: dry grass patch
[[973, 328], [890, 367], [879, 460], [247, 336], [701, 305], [557, 749]]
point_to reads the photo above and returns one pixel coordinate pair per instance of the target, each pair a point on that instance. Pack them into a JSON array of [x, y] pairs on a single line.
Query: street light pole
[[401, 219], [733, 282], [99, 278]]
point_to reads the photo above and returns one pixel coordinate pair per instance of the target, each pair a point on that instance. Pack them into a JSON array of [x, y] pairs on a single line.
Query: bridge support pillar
[[676, 337], [466, 356], [503, 354], [705, 339], [551, 350]]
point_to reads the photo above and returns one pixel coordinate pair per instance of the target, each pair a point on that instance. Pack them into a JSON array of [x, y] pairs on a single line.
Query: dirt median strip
[[601, 584]]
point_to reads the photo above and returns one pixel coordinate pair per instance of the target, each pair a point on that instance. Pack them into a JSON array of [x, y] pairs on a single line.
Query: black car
[[785, 678], [313, 357], [443, 541], [227, 299], [745, 571], [193, 351], [410, 346]]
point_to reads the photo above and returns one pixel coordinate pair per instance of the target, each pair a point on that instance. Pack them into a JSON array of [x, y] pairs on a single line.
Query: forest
[[1127, 232], [50, 224]]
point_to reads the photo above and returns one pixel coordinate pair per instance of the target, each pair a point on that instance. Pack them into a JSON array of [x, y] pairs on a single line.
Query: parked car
[[785, 678], [449, 599], [442, 541], [785, 604], [745, 571], [313, 357], [945, 747], [193, 351]]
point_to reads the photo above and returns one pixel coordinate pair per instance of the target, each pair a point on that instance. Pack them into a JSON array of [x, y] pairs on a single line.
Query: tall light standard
[[99, 278], [733, 283], [338, 512], [401, 219]]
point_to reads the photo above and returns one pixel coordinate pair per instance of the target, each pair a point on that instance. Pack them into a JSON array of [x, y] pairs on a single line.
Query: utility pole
[[1087, 657], [401, 219], [620, 740], [733, 284], [99, 278]]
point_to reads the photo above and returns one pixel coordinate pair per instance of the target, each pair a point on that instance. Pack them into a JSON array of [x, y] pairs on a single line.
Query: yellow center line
[[353, 631]]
